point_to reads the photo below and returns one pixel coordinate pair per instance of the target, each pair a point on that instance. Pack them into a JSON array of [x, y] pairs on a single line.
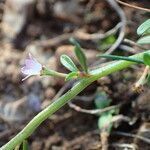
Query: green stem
[[52, 108], [53, 73]]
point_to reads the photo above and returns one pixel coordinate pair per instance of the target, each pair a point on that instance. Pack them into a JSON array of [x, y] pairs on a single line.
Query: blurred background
[[43, 28]]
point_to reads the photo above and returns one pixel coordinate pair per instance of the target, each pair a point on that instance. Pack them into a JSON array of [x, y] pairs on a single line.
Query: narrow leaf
[[144, 40], [114, 57], [80, 55], [68, 63], [71, 75], [144, 28], [146, 58]]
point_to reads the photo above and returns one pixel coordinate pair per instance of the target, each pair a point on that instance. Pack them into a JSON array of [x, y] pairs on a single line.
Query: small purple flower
[[31, 67]]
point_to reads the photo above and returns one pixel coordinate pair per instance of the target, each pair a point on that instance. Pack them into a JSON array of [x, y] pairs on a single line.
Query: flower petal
[[31, 67]]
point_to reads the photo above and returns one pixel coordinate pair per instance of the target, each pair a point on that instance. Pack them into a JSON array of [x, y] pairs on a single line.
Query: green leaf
[[104, 122], [80, 55], [106, 42], [115, 57], [68, 63], [102, 100], [144, 28], [144, 40], [146, 59], [71, 75]]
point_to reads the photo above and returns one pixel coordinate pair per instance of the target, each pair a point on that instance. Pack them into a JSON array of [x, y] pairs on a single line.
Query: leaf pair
[[69, 64]]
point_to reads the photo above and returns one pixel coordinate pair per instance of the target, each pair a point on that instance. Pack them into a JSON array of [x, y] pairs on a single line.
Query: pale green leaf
[[104, 122], [144, 40], [144, 28], [68, 63]]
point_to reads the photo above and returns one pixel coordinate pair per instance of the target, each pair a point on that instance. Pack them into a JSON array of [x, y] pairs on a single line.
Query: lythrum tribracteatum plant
[[85, 77], [32, 67]]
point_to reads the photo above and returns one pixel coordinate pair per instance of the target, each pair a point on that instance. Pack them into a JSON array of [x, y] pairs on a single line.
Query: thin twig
[[87, 98], [97, 36], [124, 145], [128, 49], [144, 139], [119, 118], [104, 135], [133, 43], [79, 34], [122, 16], [92, 111], [133, 6], [138, 86]]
